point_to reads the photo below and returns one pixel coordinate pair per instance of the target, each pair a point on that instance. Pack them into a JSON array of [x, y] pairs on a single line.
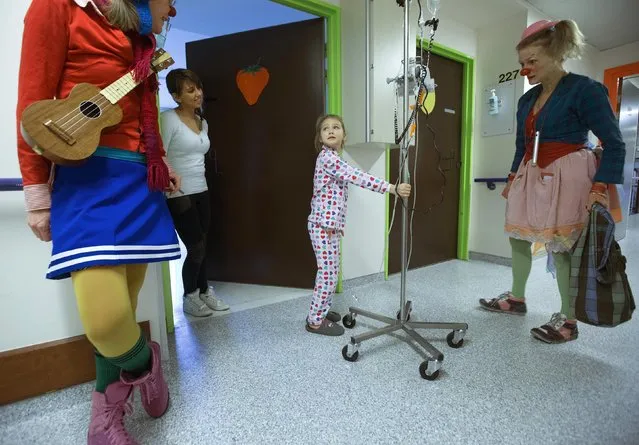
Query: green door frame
[[332, 14], [468, 107]]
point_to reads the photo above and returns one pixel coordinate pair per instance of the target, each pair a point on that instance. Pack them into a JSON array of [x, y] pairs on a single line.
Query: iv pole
[[429, 369]]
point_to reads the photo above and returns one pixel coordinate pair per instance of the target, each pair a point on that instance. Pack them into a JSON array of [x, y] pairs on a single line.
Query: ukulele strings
[[97, 103]]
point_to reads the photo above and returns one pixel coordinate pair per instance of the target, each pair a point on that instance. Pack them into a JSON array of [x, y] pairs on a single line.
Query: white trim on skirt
[[119, 254]]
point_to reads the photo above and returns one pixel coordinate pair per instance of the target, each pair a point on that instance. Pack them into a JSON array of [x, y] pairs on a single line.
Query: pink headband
[[536, 27]]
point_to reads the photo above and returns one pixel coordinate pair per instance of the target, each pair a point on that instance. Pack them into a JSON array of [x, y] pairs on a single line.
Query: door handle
[[213, 157]]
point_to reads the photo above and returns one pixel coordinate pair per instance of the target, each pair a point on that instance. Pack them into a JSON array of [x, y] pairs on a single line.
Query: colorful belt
[[118, 153]]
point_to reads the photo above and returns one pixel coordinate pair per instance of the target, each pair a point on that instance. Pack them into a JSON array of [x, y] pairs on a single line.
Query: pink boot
[[107, 416], [153, 387]]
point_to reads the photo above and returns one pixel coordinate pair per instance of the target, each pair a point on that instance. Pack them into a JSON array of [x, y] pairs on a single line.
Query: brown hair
[[318, 129], [562, 41], [176, 79]]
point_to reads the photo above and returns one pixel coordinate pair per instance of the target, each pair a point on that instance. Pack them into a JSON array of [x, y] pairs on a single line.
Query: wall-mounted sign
[[510, 75]]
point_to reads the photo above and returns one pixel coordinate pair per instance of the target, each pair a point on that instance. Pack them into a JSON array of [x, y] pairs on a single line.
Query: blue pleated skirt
[[103, 214]]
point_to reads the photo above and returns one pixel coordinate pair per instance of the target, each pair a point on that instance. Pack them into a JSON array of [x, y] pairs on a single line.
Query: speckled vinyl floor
[[256, 376]]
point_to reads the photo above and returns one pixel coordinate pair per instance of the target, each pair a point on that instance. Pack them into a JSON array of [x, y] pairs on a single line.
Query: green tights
[[522, 263]]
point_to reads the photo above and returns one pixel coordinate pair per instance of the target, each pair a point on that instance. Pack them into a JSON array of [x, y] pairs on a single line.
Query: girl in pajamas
[[328, 217]]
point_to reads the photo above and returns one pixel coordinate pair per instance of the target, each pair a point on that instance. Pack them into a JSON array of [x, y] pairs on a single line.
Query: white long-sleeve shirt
[[185, 151]]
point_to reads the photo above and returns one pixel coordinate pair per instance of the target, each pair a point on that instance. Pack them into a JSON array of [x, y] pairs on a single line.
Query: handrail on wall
[[10, 184], [491, 182]]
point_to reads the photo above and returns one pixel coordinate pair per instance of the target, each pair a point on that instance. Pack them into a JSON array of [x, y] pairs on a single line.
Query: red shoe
[[107, 416], [153, 387]]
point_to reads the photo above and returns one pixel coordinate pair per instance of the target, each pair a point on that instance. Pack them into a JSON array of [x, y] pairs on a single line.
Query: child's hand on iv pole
[[402, 190]]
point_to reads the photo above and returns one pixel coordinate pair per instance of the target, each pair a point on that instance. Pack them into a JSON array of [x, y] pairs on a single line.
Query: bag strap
[[609, 235]]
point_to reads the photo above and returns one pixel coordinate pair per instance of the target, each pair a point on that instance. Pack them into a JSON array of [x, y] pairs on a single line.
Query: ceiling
[[605, 23], [477, 13], [220, 17]]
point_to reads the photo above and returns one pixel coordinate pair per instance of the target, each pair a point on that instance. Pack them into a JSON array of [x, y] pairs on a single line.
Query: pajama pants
[[326, 247]]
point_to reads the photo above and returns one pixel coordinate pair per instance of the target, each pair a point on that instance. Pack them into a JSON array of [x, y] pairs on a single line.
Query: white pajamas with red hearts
[[327, 220], [326, 247]]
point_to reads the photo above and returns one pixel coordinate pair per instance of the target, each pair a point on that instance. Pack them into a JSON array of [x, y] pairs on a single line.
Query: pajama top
[[330, 189]]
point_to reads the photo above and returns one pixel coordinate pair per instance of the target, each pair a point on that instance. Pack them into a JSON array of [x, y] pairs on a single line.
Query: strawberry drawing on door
[[251, 82]]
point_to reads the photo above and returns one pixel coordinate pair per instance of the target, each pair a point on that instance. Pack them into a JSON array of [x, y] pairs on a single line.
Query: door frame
[[333, 15], [468, 109], [611, 79]]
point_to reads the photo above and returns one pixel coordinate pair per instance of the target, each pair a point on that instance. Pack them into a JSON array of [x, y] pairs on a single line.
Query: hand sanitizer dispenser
[[493, 103]]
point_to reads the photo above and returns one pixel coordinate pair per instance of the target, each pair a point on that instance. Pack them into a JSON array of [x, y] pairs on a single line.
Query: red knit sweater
[[65, 44]]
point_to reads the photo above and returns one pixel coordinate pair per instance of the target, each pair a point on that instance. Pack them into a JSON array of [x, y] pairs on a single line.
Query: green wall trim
[[168, 298], [333, 16], [387, 212], [468, 100], [165, 271], [468, 108]]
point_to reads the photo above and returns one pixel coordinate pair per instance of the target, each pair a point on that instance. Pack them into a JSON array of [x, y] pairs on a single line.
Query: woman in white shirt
[[186, 142]]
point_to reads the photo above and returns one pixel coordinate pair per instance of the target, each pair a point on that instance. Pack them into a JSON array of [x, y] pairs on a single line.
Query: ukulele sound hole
[[90, 110]]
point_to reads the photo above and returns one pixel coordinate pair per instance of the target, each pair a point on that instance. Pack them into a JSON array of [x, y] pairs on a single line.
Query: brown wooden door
[[260, 172], [434, 233]]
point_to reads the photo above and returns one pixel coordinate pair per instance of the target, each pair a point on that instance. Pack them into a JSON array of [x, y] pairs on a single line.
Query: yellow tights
[[107, 298]]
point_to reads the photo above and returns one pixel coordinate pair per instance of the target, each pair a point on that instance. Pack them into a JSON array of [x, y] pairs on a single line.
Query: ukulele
[[67, 131]]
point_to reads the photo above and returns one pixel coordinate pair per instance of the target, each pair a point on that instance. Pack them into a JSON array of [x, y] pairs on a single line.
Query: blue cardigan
[[577, 105]]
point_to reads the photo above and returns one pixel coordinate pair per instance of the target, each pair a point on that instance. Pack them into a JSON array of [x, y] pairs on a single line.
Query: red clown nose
[[524, 72]]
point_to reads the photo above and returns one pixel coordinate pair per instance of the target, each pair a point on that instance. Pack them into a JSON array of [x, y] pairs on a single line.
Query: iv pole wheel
[[350, 358], [348, 321], [450, 339], [426, 373]]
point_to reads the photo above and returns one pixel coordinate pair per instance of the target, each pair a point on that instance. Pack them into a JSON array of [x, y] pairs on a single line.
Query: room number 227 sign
[[510, 75]]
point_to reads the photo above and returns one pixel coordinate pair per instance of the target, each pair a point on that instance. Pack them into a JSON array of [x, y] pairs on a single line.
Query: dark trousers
[[191, 216]]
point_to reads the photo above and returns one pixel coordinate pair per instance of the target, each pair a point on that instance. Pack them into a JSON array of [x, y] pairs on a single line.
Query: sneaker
[[551, 331], [153, 387], [514, 307], [107, 416], [210, 299], [194, 306]]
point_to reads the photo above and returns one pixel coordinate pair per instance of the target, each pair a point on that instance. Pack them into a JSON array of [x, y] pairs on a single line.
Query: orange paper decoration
[[251, 81]]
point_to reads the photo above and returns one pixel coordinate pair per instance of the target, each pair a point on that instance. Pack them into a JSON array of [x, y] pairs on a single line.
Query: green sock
[[105, 373], [522, 263], [562, 264], [137, 359]]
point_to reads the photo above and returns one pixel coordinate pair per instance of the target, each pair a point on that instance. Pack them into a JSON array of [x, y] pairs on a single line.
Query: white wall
[[36, 310], [492, 156], [175, 45], [363, 249], [621, 55]]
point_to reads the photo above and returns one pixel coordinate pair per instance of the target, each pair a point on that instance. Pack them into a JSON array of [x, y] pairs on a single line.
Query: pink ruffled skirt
[[548, 205]]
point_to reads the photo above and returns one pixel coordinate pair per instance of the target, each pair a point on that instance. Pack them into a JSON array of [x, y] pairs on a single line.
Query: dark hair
[[562, 41], [176, 79], [318, 129]]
